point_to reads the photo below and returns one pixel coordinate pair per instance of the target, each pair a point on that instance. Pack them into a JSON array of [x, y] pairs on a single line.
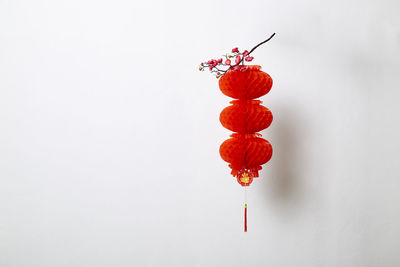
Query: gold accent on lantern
[[245, 178]]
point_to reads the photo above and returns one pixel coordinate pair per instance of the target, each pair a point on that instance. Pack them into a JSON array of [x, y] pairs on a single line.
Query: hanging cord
[[245, 209]]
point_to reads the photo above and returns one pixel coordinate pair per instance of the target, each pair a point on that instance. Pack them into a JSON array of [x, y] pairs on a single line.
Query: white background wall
[[109, 134]]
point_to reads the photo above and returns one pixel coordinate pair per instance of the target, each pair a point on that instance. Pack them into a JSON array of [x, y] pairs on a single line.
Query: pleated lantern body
[[245, 151]]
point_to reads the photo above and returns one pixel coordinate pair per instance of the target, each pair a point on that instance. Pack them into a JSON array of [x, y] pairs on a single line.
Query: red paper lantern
[[246, 151]]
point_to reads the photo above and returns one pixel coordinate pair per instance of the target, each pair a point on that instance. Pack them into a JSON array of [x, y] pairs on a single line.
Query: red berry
[[210, 67], [237, 59], [228, 62]]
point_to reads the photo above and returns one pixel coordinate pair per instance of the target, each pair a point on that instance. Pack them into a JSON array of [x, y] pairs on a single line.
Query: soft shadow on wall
[[283, 184]]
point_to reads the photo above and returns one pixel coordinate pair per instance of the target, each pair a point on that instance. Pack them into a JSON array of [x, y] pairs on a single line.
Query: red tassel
[[245, 217]]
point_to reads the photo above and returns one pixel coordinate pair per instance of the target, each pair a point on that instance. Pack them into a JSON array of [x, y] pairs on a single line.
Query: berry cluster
[[220, 66]]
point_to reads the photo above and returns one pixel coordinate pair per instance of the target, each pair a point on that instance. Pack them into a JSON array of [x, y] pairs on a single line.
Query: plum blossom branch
[[226, 65]]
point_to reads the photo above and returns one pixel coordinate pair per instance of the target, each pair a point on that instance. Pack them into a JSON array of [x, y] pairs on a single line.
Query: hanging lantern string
[[245, 208]]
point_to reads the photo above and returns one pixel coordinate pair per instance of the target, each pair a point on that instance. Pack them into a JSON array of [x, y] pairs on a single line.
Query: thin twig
[[254, 48]]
